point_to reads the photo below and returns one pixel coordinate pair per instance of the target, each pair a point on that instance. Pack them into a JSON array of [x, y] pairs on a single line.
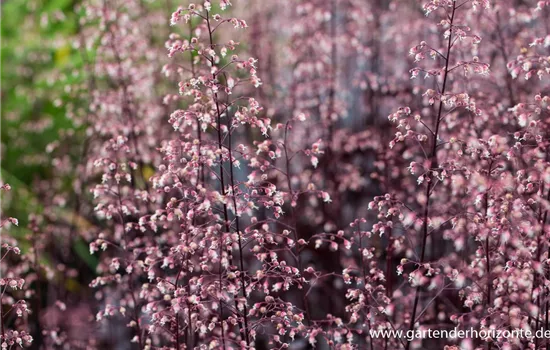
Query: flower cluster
[[14, 307]]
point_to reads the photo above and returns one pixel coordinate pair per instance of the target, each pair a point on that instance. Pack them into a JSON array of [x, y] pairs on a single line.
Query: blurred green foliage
[[38, 59]]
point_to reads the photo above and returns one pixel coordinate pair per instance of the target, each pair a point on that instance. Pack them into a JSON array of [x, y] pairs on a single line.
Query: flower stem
[[433, 163]]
